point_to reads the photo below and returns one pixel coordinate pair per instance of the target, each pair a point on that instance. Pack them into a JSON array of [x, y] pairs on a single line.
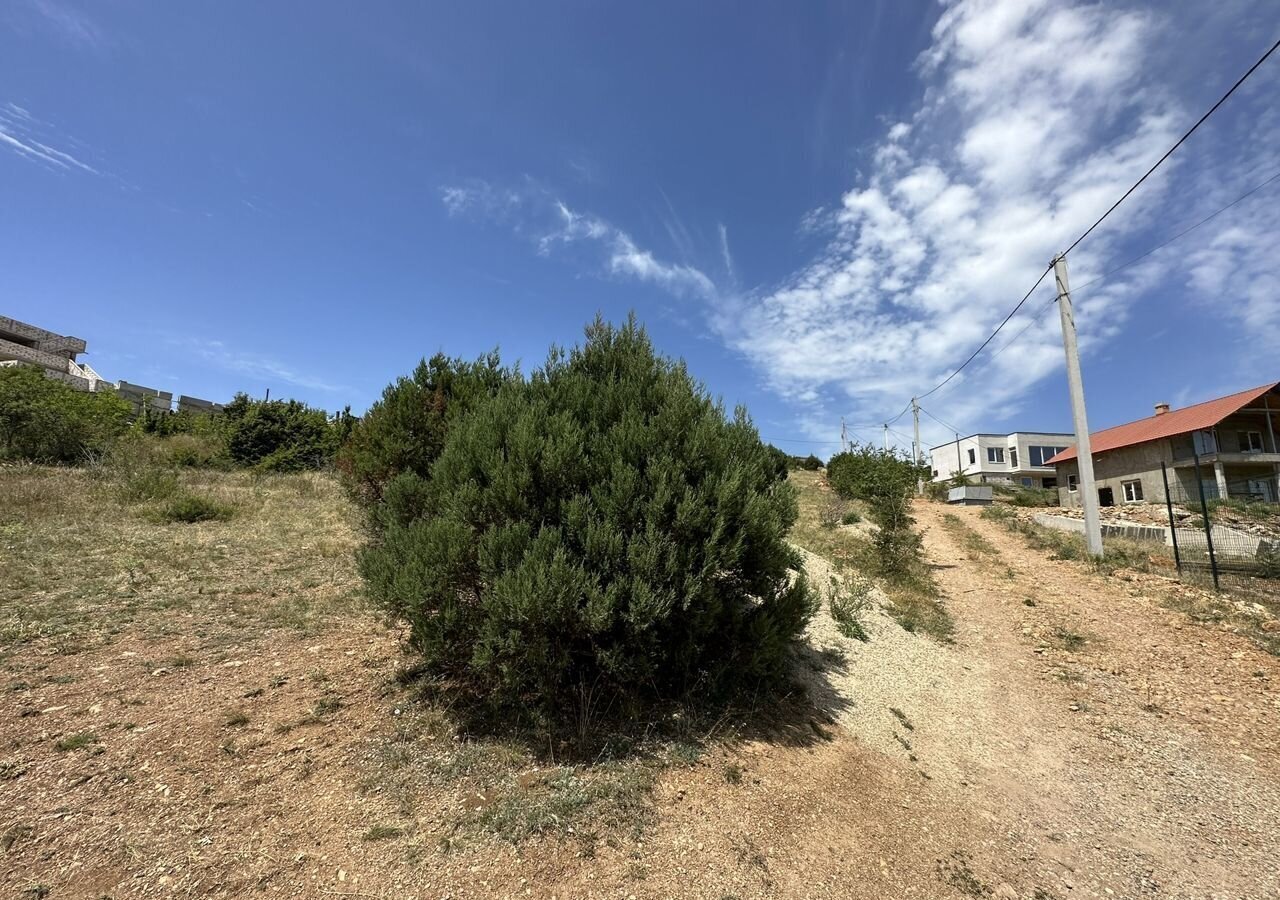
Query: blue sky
[[823, 208]]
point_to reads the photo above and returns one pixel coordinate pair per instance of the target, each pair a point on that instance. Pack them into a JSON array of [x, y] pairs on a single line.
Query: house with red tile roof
[[1230, 442]]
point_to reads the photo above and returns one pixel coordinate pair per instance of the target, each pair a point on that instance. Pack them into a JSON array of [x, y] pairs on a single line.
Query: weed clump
[[78, 741], [189, 509], [847, 599]]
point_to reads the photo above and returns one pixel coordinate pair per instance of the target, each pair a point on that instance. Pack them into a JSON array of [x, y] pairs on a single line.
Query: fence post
[[1173, 528], [1204, 511]]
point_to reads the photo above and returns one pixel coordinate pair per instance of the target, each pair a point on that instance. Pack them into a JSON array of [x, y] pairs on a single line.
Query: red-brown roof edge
[[1179, 421]]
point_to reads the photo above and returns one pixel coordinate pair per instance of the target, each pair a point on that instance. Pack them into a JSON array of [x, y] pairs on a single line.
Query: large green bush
[[45, 420], [594, 539], [278, 435], [405, 430], [864, 472]]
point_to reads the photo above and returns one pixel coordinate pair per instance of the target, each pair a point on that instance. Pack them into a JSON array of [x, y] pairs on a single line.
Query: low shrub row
[[44, 420]]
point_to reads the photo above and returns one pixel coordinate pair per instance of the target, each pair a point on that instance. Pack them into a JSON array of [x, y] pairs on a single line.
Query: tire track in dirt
[[1145, 801]]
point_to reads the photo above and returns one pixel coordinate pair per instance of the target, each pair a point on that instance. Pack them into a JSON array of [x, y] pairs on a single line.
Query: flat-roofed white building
[[1017, 458]]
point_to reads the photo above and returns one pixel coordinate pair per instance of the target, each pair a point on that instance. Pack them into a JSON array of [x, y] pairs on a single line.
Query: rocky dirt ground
[[1075, 739]]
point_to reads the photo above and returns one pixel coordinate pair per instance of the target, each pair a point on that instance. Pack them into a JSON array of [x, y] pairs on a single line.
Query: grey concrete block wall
[[1111, 469]]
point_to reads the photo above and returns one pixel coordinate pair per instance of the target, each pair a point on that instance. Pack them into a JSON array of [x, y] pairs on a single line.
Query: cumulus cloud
[[1035, 116]]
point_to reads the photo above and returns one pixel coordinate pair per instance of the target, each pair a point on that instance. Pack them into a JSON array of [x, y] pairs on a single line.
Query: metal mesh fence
[[1235, 537]]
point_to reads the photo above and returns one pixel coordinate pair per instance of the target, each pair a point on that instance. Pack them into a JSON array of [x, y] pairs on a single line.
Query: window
[[935, 473], [995, 454], [1027, 482], [1013, 457], [1039, 454], [1250, 441], [1073, 482], [973, 456], [1132, 491], [1048, 482], [1204, 442]]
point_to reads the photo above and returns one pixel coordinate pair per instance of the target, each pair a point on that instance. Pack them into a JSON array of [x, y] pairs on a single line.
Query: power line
[[984, 344], [797, 441], [1169, 152], [1090, 229], [1141, 256], [1247, 194], [947, 425], [901, 414]]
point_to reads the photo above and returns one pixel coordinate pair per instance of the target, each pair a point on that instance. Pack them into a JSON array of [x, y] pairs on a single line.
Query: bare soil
[[1076, 738]]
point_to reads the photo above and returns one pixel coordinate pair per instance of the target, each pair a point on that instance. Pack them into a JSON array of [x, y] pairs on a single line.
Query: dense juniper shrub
[[278, 435], [405, 430], [592, 540], [45, 420], [780, 461]]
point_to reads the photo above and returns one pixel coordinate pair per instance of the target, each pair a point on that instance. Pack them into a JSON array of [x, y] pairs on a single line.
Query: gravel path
[[1137, 751]]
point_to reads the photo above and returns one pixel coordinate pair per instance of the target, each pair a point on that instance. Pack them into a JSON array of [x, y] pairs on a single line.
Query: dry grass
[[973, 543], [84, 556], [915, 601], [1247, 605]]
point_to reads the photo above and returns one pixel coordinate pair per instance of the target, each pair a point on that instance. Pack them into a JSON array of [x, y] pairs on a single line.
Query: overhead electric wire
[[1169, 152], [1247, 194], [1047, 306], [899, 415], [1005, 321], [940, 422], [1100, 220], [992, 337], [894, 431]]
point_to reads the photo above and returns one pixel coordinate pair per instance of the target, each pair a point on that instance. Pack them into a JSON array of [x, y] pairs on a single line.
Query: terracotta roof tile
[[1178, 421]]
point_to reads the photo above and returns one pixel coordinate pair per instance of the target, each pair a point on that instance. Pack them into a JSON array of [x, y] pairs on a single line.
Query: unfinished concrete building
[[1230, 441], [23, 344], [143, 397], [195, 406]]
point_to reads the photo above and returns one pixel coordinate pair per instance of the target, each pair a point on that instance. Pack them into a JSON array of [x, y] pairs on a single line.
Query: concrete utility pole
[[915, 447], [1084, 452], [886, 437], [844, 436]]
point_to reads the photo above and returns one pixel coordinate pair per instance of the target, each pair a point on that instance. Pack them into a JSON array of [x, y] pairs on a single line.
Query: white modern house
[[1019, 458]]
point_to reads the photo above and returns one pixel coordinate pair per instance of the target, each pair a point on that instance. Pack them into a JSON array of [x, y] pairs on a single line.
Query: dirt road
[[1076, 740]]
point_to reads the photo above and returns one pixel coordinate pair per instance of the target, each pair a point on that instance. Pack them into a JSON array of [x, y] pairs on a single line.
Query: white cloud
[[1035, 117], [255, 365], [536, 213], [18, 130], [70, 23]]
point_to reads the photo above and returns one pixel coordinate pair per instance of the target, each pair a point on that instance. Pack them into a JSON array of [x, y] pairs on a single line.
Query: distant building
[[1233, 436], [196, 406], [23, 344], [1020, 458], [145, 397]]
